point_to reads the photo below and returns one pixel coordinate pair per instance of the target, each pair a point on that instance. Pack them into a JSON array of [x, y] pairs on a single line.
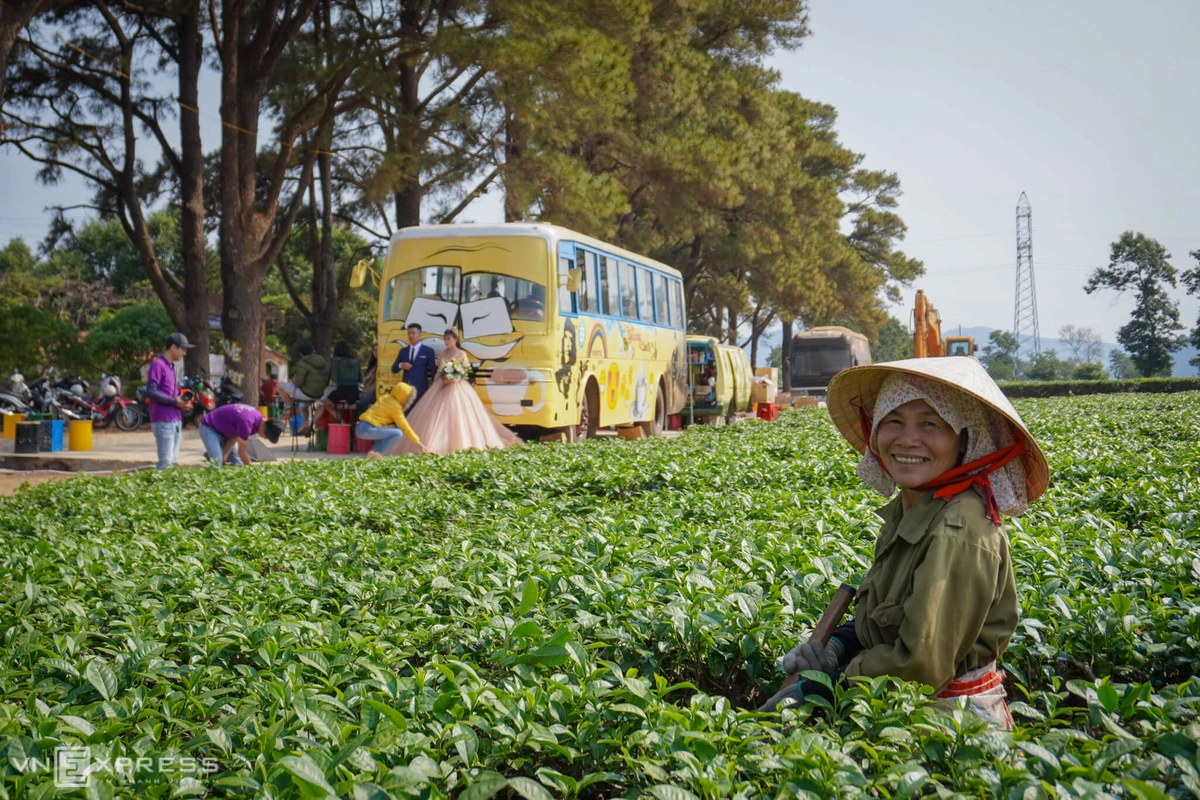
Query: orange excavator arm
[[927, 329]]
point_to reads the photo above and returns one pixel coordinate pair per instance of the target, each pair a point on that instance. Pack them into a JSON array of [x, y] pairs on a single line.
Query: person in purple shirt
[[225, 427], [162, 396]]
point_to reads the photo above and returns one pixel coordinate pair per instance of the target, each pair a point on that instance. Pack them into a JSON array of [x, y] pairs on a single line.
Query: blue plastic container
[[50, 436]]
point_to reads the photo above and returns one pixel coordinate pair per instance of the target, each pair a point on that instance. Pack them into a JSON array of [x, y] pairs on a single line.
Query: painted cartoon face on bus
[[487, 317]]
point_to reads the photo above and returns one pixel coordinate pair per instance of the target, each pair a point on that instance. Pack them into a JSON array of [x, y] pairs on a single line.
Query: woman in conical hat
[[939, 604]]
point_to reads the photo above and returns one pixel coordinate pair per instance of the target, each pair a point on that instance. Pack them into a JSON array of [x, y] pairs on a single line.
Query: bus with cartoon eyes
[[565, 333]]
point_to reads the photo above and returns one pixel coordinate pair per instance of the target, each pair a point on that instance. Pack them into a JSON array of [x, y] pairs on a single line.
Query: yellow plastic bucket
[[80, 432], [10, 425], [263, 410]]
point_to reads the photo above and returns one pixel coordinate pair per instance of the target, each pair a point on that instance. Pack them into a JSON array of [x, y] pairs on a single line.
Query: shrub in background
[[120, 342]]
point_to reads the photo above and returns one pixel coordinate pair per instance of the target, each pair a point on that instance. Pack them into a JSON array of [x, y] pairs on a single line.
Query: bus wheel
[[589, 413], [656, 426]]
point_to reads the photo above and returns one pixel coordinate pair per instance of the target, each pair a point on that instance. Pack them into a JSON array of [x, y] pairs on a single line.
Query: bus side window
[[565, 265], [660, 300], [608, 285], [676, 300], [645, 295], [629, 305], [587, 284]]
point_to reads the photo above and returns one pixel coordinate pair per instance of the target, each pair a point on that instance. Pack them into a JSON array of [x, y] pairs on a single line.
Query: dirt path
[[10, 482]]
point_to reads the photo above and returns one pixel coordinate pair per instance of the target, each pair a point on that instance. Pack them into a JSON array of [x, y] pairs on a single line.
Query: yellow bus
[[566, 333]]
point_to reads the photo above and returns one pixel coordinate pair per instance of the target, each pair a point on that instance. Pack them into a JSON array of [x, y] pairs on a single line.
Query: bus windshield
[[526, 300], [819, 358]]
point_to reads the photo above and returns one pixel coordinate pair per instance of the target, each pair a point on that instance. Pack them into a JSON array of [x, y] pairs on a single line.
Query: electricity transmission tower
[[1025, 316]]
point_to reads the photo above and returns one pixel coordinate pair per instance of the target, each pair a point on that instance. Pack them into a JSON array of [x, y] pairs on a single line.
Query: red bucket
[[768, 411], [339, 439], [674, 422], [363, 445]]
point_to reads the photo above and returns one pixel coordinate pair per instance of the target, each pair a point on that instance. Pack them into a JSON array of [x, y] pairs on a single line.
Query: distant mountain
[[1182, 369]]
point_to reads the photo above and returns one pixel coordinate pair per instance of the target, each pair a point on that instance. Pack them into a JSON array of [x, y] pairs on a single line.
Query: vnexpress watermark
[[71, 766], [74, 765]]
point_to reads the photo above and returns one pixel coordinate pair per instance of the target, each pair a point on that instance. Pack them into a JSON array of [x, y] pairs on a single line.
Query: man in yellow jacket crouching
[[384, 422]]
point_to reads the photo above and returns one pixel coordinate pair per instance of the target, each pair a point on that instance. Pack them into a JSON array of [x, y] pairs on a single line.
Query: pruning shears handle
[[824, 629]]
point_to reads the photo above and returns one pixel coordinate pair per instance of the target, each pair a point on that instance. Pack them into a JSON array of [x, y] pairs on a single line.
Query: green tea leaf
[[529, 596], [665, 791], [529, 789], [101, 677], [484, 786], [306, 772]]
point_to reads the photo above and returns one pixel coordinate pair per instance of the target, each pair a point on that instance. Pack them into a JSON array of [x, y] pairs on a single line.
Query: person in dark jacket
[[311, 378], [417, 362], [344, 377]]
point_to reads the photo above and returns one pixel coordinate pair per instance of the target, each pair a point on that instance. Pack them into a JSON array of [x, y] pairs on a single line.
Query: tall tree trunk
[[191, 188], [324, 286], [514, 206], [243, 317], [755, 333], [241, 311], [786, 348], [252, 237], [409, 135], [733, 326]]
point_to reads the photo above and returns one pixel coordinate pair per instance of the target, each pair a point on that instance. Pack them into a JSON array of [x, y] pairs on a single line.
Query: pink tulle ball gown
[[450, 417]]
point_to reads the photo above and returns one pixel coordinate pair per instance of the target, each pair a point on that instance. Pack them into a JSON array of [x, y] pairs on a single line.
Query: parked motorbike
[[111, 402], [199, 391], [228, 393], [16, 399], [44, 397], [74, 399]]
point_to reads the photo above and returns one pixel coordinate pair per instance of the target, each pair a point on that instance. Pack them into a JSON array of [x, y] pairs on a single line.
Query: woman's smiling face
[[916, 445]]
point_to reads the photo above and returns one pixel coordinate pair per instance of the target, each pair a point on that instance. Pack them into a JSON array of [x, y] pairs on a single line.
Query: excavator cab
[[960, 345], [927, 333]]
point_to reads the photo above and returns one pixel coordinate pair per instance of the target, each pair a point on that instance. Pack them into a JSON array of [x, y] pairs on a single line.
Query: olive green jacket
[[312, 374], [941, 598]]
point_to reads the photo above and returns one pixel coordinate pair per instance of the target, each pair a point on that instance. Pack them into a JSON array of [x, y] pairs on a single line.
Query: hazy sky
[[1088, 107]]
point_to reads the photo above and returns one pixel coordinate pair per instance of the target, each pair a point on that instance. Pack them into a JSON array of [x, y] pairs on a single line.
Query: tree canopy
[[649, 123], [1140, 264]]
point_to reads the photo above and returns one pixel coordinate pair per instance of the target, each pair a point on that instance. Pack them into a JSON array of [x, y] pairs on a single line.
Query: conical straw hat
[[859, 386]]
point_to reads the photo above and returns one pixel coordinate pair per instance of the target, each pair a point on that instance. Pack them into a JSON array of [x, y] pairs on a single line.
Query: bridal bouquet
[[453, 370]]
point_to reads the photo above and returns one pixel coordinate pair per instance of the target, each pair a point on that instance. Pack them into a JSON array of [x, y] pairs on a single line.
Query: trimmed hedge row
[[1060, 388]]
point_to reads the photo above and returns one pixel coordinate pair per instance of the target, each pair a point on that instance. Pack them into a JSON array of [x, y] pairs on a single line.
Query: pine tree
[[1140, 263]]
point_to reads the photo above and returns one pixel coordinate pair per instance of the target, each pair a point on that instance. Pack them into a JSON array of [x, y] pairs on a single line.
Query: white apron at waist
[[984, 687]]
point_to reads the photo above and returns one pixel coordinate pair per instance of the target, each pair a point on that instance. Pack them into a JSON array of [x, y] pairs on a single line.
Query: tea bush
[[596, 620]]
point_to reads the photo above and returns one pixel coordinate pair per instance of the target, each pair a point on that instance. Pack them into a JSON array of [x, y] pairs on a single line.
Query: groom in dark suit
[[417, 361]]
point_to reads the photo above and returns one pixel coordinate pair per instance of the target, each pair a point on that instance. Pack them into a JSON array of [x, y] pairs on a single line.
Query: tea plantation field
[[594, 620]]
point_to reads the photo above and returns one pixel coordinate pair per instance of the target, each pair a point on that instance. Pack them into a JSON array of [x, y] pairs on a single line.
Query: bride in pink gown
[[450, 416]]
